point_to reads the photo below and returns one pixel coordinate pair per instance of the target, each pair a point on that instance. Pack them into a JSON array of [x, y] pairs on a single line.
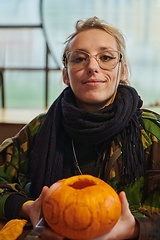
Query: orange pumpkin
[[81, 207]]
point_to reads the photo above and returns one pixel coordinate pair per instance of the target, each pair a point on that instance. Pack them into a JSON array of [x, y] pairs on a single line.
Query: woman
[[95, 127]]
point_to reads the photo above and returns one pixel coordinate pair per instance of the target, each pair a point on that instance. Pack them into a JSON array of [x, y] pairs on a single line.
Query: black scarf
[[122, 118]]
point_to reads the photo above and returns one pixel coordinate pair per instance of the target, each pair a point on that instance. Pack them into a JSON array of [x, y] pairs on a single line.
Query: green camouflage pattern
[[142, 195]]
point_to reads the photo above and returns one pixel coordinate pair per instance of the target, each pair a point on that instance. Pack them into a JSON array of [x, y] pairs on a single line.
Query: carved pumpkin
[[81, 207]]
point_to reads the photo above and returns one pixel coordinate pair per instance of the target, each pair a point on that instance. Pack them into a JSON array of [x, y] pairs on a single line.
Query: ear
[[124, 74], [65, 77]]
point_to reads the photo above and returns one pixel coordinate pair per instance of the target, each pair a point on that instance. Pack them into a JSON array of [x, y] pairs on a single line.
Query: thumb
[[124, 202], [37, 208], [44, 190], [40, 199]]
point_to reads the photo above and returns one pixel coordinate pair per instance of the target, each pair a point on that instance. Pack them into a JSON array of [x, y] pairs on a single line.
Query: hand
[[33, 211], [126, 227]]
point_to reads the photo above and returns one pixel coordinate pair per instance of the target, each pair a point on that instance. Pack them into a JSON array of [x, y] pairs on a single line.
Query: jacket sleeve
[[15, 156], [149, 226], [150, 206]]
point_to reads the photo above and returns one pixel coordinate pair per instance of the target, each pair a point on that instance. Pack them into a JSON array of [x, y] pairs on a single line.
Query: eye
[[106, 57], [78, 59]]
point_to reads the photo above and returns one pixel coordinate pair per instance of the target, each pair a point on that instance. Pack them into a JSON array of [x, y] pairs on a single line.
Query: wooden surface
[[26, 230], [12, 120], [8, 130], [22, 116]]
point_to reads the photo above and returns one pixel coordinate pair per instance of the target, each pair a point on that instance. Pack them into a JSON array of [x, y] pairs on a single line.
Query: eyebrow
[[100, 49], [107, 48]]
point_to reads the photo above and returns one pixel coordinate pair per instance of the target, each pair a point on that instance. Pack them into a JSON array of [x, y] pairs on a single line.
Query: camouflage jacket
[[143, 195]]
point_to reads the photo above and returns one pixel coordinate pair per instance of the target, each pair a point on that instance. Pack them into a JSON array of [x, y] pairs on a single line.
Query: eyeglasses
[[79, 59]]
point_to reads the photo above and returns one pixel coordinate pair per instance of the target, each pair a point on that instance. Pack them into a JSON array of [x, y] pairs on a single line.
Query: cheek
[[111, 76], [74, 77], [115, 75]]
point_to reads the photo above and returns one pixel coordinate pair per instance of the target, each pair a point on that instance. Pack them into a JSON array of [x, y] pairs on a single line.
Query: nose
[[92, 65]]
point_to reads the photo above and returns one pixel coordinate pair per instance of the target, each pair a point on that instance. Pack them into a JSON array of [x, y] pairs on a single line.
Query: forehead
[[93, 40]]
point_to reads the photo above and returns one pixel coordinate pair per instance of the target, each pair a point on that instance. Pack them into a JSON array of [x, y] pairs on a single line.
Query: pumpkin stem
[[80, 184]]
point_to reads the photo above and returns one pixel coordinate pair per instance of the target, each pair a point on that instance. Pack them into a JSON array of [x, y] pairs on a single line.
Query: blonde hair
[[96, 23]]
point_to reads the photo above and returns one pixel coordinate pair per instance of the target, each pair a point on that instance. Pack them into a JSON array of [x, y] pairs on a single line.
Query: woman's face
[[93, 86]]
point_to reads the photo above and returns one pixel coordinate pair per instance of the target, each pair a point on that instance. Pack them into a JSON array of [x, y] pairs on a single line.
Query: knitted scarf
[[122, 118]]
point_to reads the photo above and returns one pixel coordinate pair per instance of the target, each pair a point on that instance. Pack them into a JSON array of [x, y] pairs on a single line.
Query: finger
[[37, 208], [40, 199], [124, 202], [44, 190]]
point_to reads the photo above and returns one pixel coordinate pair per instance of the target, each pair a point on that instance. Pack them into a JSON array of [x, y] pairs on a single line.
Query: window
[[32, 34], [25, 59]]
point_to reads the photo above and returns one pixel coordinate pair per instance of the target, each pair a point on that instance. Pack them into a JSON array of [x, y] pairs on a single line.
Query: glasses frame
[[90, 55]]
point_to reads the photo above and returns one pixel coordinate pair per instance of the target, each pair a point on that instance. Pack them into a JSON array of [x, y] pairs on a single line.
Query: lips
[[94, 82]]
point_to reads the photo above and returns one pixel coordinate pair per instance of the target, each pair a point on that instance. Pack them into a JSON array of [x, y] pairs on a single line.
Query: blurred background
[[32, 35]]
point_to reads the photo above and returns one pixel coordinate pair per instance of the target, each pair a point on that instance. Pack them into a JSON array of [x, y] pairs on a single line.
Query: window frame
[[47, 53]]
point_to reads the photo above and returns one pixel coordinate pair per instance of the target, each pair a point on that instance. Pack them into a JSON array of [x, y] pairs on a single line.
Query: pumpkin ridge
[[74, 220], [53, 210]]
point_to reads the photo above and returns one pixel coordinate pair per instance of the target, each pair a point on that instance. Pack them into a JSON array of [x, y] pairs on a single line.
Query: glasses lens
[[108, 59], [77, 59]]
